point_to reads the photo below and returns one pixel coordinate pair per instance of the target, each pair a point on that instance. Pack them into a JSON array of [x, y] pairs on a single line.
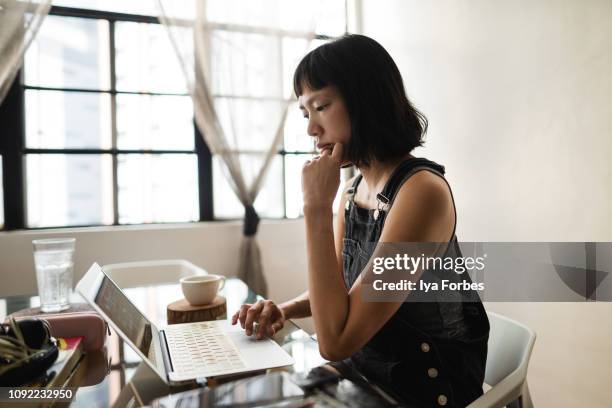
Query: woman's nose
[[313, 128]]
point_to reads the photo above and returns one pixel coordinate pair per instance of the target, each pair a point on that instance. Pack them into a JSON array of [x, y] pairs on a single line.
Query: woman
[[429, 353]]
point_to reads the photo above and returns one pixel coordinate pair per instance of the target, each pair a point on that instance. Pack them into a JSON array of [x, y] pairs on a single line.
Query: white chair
[[143, 273], [510, 345]]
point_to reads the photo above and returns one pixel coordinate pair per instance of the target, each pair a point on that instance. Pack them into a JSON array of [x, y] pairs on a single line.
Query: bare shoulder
[[422, 211], [428, 188]]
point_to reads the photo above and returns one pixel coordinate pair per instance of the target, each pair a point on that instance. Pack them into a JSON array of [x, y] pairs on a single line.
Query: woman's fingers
[[337, 152], [251, 317], [265, 317], [265, 313], [236, 316], [242, 313], [276, 327]]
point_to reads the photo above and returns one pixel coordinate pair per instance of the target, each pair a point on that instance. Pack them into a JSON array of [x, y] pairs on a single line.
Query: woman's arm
[[422, 212], [297, 307], [270, 316]]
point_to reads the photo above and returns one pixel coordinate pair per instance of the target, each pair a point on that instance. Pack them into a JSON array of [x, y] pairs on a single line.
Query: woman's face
[[328, 119]]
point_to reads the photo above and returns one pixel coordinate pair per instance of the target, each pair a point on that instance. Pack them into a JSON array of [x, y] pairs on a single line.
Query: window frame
[[14, 151]]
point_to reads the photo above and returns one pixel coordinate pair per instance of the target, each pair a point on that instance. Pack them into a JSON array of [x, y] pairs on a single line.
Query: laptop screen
[[126, 316]]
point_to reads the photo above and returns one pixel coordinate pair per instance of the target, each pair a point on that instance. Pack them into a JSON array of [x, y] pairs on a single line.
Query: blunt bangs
[[312, 72]]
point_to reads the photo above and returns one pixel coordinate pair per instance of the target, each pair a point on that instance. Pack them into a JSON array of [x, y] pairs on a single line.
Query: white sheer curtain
[[233, 58], [19, 23]]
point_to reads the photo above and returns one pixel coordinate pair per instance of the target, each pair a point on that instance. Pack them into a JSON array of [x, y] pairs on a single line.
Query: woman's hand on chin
[[321, 178]]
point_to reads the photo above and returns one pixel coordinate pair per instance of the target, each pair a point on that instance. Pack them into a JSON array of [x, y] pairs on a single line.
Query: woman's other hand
[[321, 178], [267, 314]]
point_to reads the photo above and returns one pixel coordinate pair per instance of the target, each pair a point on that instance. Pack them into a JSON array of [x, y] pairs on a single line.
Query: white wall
[[212, 246], [519, 99], [206, 245]]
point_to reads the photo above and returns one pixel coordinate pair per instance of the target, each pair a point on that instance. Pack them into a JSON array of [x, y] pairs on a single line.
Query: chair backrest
[[143, 273], [510, 345]]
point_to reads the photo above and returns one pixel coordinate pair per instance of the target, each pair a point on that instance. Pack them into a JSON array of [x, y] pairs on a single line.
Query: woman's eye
[[318, 109]]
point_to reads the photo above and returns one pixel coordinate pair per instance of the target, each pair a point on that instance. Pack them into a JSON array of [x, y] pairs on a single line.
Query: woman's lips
[[330, 146], [324, 146]]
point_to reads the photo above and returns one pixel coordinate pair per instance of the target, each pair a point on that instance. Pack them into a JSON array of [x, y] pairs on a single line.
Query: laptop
[[179, 352]]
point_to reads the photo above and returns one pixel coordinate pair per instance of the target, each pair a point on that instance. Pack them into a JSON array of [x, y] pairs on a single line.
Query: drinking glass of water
[[54, 271]]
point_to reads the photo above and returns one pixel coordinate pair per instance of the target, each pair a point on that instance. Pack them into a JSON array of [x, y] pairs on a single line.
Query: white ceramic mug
[[201, 289]]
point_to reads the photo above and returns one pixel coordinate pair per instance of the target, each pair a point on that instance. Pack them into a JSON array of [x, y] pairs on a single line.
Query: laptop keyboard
[[202, 348]]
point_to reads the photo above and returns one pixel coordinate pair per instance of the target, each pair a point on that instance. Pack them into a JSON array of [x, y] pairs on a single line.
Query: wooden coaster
[[182, 312]]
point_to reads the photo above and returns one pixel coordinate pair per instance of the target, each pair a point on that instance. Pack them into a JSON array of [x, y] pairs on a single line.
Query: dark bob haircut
[[384, 124]]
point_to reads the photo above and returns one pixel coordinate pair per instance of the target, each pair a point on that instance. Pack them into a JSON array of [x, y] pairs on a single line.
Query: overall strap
[[350, 192], [350, 198], [402, 173], [396, 179]]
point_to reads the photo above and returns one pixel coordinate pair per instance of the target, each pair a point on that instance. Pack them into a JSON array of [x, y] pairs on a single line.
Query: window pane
[[157, 188], [246, 64], [67, 189], [296, 138], [154, 122], [331, 18], [249, 124], [56, 119], [69, 52], [293, 185], [269, 202], [294, 50], [145, 59]]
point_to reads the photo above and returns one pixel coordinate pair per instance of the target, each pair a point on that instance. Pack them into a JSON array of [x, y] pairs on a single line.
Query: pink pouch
[[88, 325], [80, 320]]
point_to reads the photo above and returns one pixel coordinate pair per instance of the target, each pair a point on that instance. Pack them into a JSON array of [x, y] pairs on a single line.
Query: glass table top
[[118, 362]]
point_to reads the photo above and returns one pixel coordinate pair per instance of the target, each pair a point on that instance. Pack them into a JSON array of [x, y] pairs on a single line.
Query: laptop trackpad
[[258, 354]]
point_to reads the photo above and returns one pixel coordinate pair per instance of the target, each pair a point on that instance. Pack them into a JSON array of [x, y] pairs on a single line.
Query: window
[[100, 124], [281, 194], [108, 134]]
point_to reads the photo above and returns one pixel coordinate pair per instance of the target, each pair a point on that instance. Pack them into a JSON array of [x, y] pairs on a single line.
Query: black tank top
[[428, 353]]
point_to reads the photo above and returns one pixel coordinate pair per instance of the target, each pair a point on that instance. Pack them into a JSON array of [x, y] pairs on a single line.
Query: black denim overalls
[[429, 354]]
